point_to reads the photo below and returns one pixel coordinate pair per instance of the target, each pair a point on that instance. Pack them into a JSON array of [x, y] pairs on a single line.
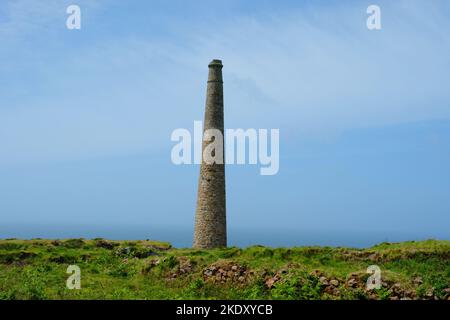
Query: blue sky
[[364, 118]]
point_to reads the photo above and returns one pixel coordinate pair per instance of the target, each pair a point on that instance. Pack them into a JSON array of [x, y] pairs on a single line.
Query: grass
[[36, 269]]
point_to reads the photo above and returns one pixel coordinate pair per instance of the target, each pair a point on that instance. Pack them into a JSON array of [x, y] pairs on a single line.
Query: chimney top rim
[[215, 63]]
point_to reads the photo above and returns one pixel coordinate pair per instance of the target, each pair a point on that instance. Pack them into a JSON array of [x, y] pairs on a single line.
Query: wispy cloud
[[308, 69]]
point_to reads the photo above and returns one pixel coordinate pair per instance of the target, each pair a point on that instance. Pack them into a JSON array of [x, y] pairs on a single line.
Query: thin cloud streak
[[310, 72]]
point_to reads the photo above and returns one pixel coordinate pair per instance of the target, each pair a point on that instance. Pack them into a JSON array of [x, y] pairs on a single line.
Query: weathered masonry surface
[[210, 216]]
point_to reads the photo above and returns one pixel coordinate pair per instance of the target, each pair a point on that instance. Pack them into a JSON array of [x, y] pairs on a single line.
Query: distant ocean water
[[182, 237]]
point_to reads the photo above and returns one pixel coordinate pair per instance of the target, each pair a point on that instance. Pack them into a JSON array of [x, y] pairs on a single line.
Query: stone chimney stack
[[210, 216]]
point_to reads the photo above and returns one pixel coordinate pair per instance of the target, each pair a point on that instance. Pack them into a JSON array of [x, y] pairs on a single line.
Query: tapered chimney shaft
[[210, 216]]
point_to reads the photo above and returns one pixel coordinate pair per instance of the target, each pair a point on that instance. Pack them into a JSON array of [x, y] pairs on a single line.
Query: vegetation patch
[[144, 269]]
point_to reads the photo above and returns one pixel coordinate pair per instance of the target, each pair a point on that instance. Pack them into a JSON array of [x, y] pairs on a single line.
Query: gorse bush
[[73, 243], [34, 284], [298, 286]]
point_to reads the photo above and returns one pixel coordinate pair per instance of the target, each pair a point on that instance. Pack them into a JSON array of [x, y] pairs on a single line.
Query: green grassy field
[[36, 269]]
